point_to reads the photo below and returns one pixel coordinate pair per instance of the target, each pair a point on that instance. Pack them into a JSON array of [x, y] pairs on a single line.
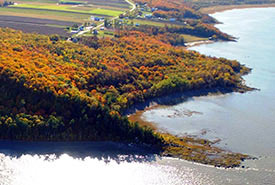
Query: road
[[88, 29]]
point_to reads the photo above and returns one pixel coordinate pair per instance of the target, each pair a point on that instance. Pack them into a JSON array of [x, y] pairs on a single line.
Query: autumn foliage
[[178, 9], [52, 89]]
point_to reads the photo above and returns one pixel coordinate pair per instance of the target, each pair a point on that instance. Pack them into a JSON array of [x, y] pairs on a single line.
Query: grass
[[159, 23], [112, 13], [105, 33], [190, 38], [148, 22], [118, 8], [45, 14], [73, 2], [69, 8], [39, 1], [200, 150]]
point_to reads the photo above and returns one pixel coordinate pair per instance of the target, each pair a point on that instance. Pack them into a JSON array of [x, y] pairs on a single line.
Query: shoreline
[[177, 151], [222, 8], [197, 43], [135, 112], [189, 147]]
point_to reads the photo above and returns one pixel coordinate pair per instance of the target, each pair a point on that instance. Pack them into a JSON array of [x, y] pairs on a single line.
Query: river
[[244, 123]]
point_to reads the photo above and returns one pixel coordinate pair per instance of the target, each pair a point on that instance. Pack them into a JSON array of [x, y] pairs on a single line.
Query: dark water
[[243, 122]]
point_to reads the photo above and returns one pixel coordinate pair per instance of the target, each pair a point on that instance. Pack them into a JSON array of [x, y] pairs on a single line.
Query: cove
[[243, 122]]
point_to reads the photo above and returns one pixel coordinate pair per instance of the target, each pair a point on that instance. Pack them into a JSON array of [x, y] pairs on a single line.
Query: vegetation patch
[[54, 90], [44, 14], [72, 2], [68, 8]]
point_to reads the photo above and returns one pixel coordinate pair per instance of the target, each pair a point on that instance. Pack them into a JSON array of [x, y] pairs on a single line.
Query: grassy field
[[187, 38], [37, 1], [50, 9], [148, 22], [156, 23], [54, 10], [190, 38], [69, 8], [45, 14]]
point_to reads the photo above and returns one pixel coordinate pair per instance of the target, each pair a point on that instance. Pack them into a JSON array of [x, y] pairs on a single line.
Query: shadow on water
[[176, 98], [105, 151]]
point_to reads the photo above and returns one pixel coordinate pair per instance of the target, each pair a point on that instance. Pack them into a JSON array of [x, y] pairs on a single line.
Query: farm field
[[69, 8], [67, 11], [45, 14], [35, 25], [109, 3], [148, 22]]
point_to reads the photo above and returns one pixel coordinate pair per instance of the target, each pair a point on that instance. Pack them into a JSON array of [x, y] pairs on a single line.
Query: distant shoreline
[[221, 8]]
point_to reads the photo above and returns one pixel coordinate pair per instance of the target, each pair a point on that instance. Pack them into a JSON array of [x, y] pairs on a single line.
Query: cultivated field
[[34, 25], [110, 3], [45, 14], [35, 15], [83, 9], [75, 11]]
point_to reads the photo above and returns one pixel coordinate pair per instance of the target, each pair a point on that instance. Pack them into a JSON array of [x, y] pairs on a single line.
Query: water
[[244, 122]]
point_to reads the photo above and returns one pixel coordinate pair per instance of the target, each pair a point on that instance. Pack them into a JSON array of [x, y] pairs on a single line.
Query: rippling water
[[244, 122], [90, 163], [108, 163]]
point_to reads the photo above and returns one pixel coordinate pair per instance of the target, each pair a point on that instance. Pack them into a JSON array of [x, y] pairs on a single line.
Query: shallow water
[[244, 122]]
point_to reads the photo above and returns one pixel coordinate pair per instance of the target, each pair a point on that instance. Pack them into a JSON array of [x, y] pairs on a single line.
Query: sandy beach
[[196, 43]]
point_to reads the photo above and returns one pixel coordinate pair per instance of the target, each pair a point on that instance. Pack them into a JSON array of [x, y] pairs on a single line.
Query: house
[[96, 19], [81, 28], [74, 31], [95, 32], [172, 19], [148, 16], [75, 40]]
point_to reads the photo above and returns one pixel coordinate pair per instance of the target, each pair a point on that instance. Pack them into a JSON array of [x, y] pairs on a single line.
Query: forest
[[178, 9], [53, 90]]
